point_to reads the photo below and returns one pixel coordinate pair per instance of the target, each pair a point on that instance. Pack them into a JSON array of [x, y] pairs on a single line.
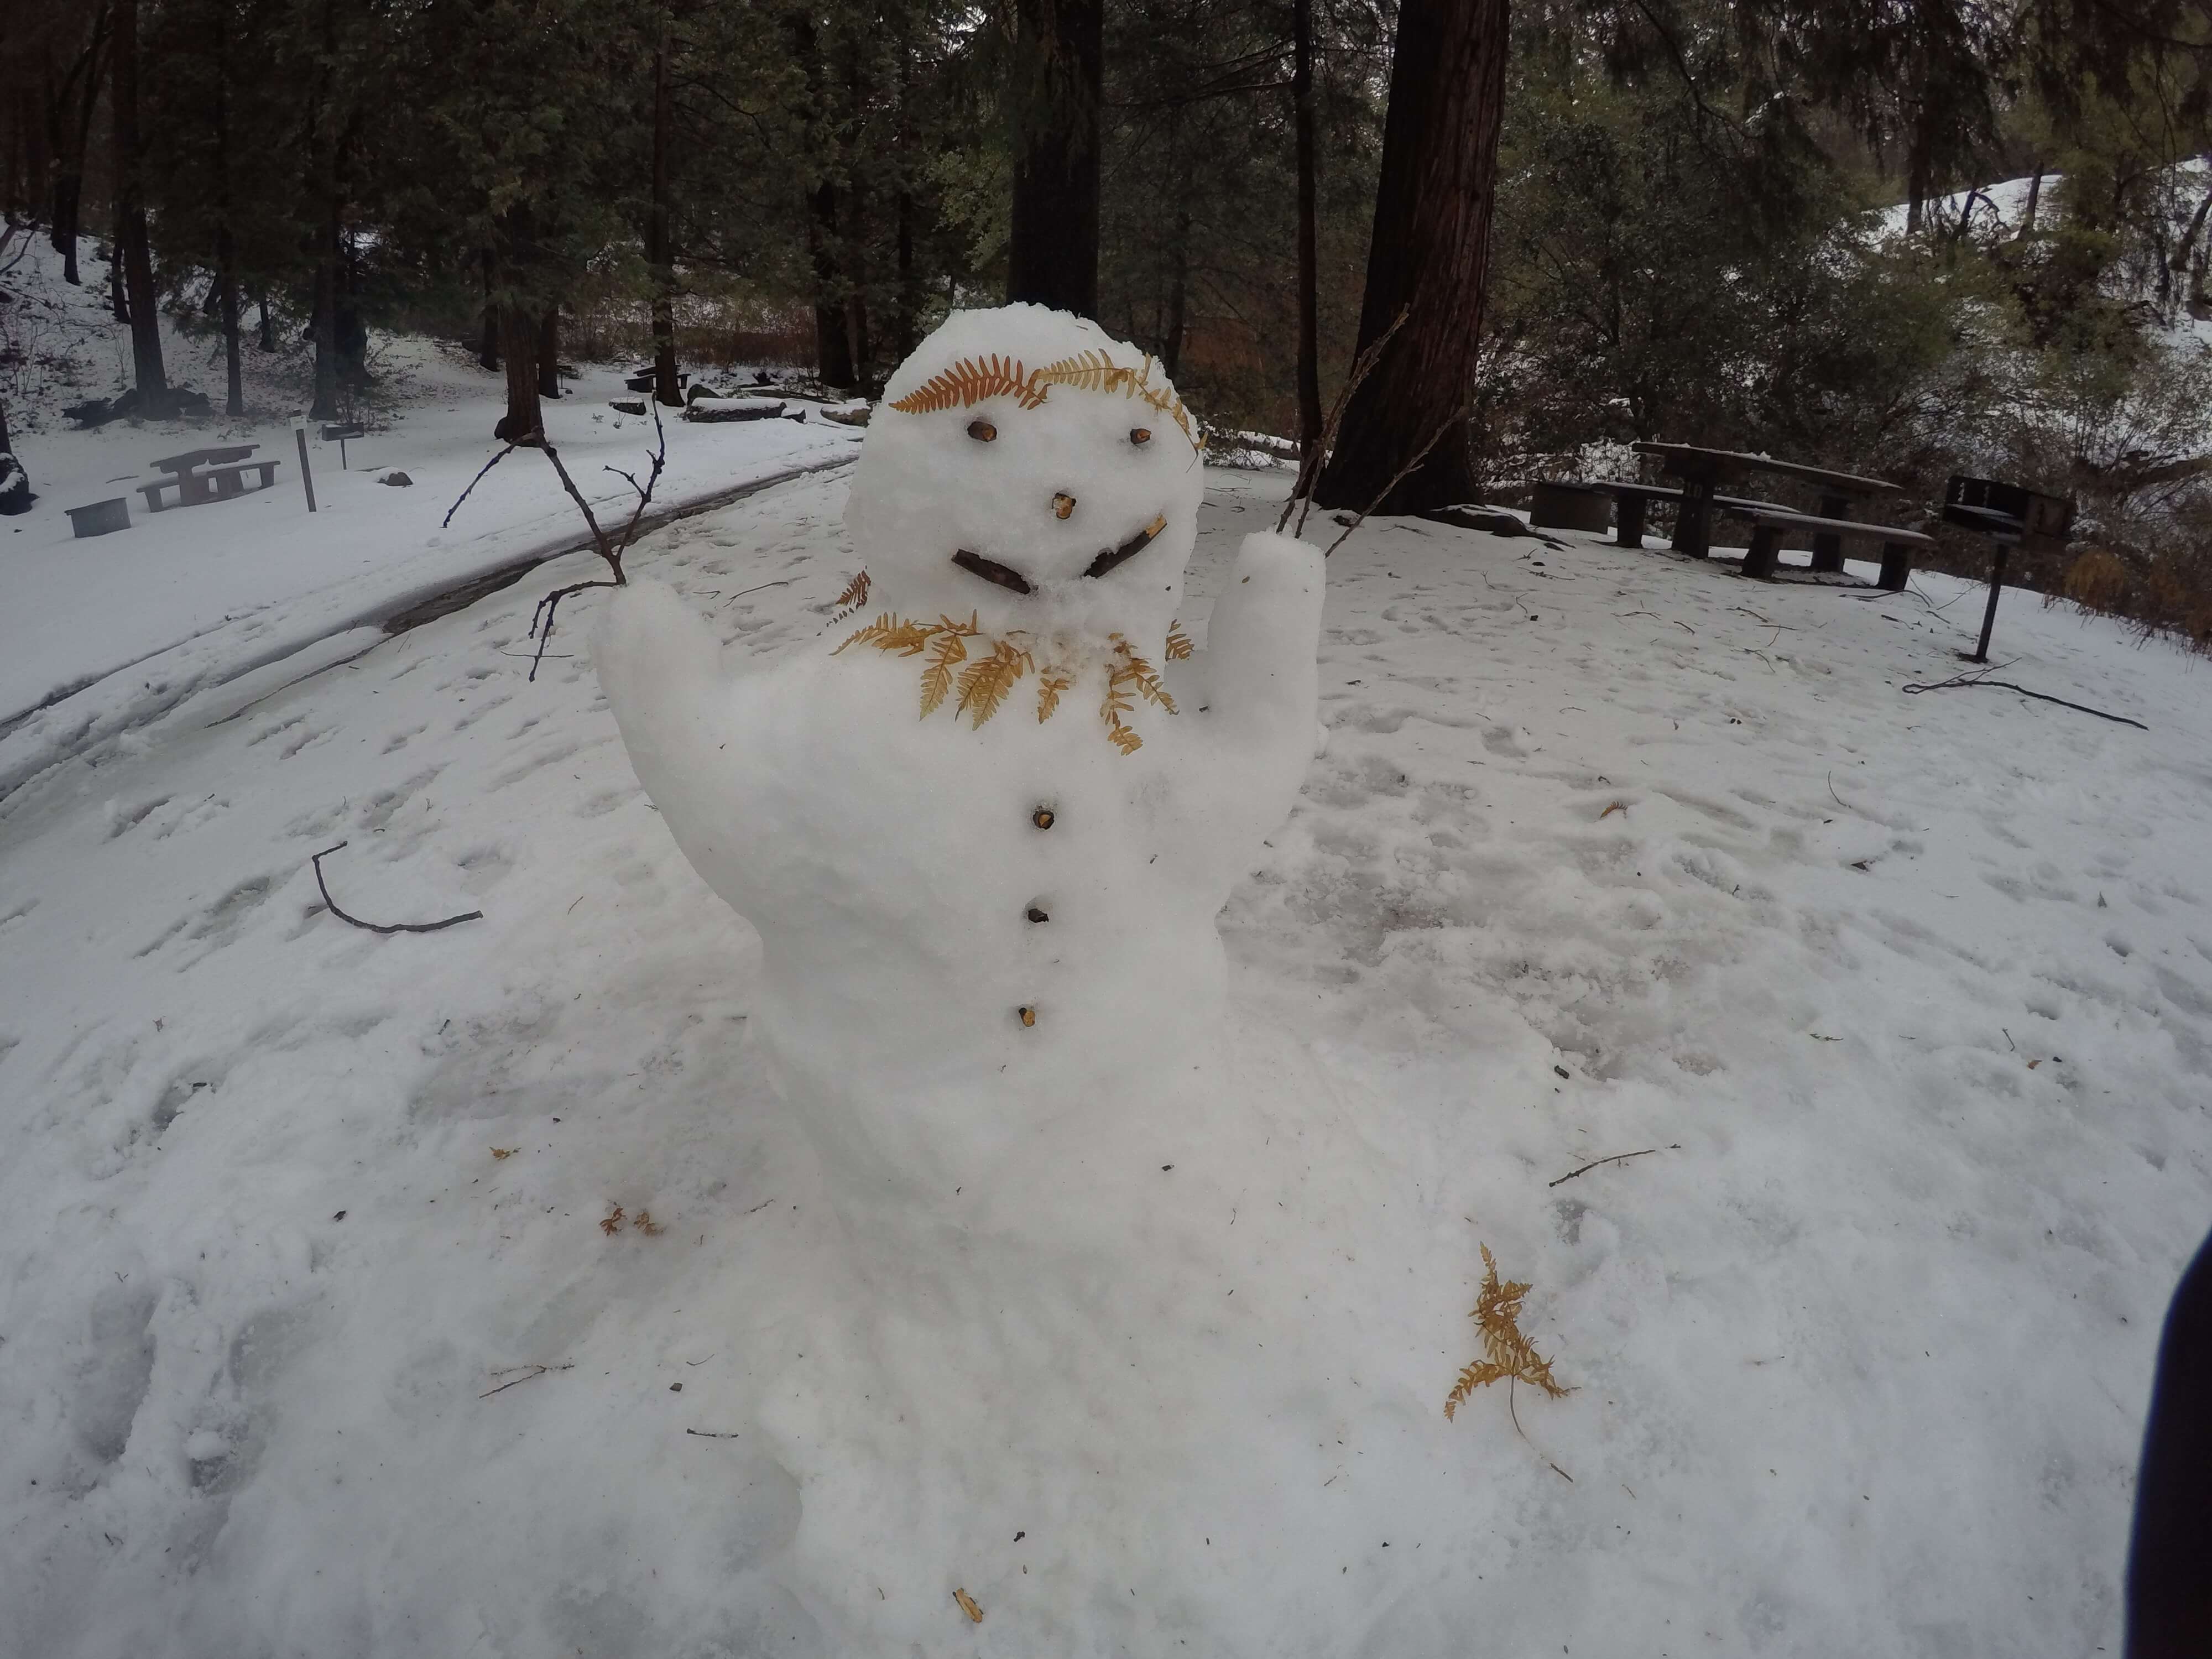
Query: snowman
[[1087, 1288], [983, 830]]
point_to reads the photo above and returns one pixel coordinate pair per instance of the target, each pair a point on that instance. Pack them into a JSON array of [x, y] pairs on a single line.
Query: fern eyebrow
[[992, 571], [1115, 557]]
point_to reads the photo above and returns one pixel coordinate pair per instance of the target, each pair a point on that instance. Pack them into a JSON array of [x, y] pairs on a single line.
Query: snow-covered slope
[[108, 632], [314, 1340]]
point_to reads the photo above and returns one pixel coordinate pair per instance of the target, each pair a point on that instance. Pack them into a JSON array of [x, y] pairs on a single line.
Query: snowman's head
[[1029, 468]]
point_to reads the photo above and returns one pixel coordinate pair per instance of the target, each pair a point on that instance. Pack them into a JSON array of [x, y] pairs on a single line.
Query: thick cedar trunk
[[225, 246], [906, 313], [524, 421], [1052, 252], [833, 345], [234, 377], [658, 252], [133, 251], [1429, 256], [1309, 415], [324, 324], [71, 136], [906, 301], [1171, 330], [856, 285], [487, 335], [548, 352]]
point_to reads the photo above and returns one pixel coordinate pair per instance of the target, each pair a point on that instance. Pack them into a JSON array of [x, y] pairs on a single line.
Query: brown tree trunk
[[227, 263], [1428, 258], [1309, 415], [906, 301], [71, 137], [1172, 330], [488, 333], [1052, 249], [133, 251], [658, 252], [324, 324], [833, 344], [525, 420], [548, 352]]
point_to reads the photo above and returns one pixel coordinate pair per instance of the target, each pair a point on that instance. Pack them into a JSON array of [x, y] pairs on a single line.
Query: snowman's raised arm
[[1261, 685], [1261, 643], [661, 668]]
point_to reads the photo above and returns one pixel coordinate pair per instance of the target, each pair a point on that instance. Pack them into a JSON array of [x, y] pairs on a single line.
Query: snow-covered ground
[[107, 631], [312, 1340]]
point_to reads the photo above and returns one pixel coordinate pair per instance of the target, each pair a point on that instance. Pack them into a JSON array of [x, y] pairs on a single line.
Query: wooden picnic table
[[1703, 471], [200, 476], [193, 458]]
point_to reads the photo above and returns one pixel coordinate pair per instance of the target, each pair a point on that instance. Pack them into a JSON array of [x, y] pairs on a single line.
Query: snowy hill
[[314, 1339]]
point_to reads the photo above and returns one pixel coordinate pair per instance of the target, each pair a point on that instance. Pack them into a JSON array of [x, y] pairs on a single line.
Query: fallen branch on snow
[[1960, 681], [380, 927]]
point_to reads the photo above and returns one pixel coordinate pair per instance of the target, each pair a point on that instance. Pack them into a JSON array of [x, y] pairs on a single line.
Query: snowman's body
[[968, 929], [1093, 1224]]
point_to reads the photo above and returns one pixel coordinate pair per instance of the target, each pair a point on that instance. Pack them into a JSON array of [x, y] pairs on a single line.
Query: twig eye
[[981, 431], [1139, 434]]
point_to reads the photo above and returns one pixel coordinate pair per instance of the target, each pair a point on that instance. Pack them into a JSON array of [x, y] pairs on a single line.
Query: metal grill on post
[[2010, 516]]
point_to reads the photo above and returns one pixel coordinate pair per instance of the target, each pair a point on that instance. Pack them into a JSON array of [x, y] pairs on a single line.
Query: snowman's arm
[[1260, 644], [661, 668], [1261, 685]]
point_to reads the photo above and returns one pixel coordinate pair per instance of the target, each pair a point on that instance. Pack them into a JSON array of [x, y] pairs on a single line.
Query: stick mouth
[[1109, 559]]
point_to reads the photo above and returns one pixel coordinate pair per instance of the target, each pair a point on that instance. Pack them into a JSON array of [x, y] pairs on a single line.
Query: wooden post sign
[[306, 478]]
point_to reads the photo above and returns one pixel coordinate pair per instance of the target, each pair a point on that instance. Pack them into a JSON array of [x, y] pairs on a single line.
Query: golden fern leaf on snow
[[1506, 1351]]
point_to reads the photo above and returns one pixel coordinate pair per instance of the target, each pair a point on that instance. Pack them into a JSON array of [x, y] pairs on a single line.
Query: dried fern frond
[[1135, 670], [1507, 1353], [1178, 646], [968, 383], [893, 634], [854, 596], [1094, 371], [1087, 371], [1051, 682], [986, 677], [937, 679], [984, 684]]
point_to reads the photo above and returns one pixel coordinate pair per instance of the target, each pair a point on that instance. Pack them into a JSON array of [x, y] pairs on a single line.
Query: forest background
[[1760, 225]]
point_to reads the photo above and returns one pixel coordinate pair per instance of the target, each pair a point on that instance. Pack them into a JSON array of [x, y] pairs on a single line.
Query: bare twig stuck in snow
[[1397, 477], [447, 521], [1309, 464], [611, 550], [376, 927]]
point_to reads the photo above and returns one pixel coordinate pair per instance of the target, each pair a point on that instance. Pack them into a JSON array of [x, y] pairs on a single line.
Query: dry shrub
[[2095, 581]]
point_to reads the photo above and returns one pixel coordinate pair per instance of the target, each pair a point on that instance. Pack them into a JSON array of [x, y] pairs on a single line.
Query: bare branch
[[1309, 464], [375, 928], [473, 483]]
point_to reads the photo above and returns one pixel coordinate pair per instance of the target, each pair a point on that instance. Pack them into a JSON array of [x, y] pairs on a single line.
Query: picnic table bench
[[1702, 470], [1770, 524], [199, 475]]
